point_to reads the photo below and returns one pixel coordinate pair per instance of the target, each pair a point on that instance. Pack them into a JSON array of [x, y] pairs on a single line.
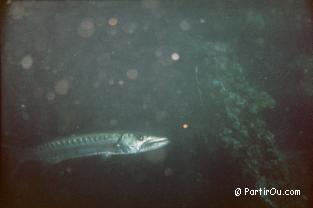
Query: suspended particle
[[132, 74], [86, 28], [62, 87], [27, 62], [184, 25], [202, 21], [113, 21], [121, 82], [175, 56]]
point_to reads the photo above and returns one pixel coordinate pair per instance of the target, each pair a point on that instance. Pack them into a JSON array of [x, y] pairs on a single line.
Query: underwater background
[[230, 83]]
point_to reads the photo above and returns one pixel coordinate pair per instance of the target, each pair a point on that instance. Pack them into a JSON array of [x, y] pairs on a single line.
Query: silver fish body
[[104, 144]]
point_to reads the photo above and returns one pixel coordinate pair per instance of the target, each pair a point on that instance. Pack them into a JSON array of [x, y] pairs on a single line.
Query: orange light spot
[[185, 126]]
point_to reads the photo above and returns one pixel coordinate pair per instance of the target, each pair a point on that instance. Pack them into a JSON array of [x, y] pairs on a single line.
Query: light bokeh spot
[[86, 28], [132, 74], [61, 87], [27, 62]]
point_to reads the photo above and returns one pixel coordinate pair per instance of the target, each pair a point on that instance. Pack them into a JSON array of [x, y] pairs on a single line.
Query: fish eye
[[141, 138]]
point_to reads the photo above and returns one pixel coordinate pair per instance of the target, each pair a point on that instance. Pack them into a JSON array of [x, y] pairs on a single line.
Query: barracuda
[[102, 144]]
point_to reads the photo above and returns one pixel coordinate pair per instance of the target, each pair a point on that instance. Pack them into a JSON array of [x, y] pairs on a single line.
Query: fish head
[[136, 143]]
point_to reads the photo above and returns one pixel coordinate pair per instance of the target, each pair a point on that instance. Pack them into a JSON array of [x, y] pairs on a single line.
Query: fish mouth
[[154, 143]]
